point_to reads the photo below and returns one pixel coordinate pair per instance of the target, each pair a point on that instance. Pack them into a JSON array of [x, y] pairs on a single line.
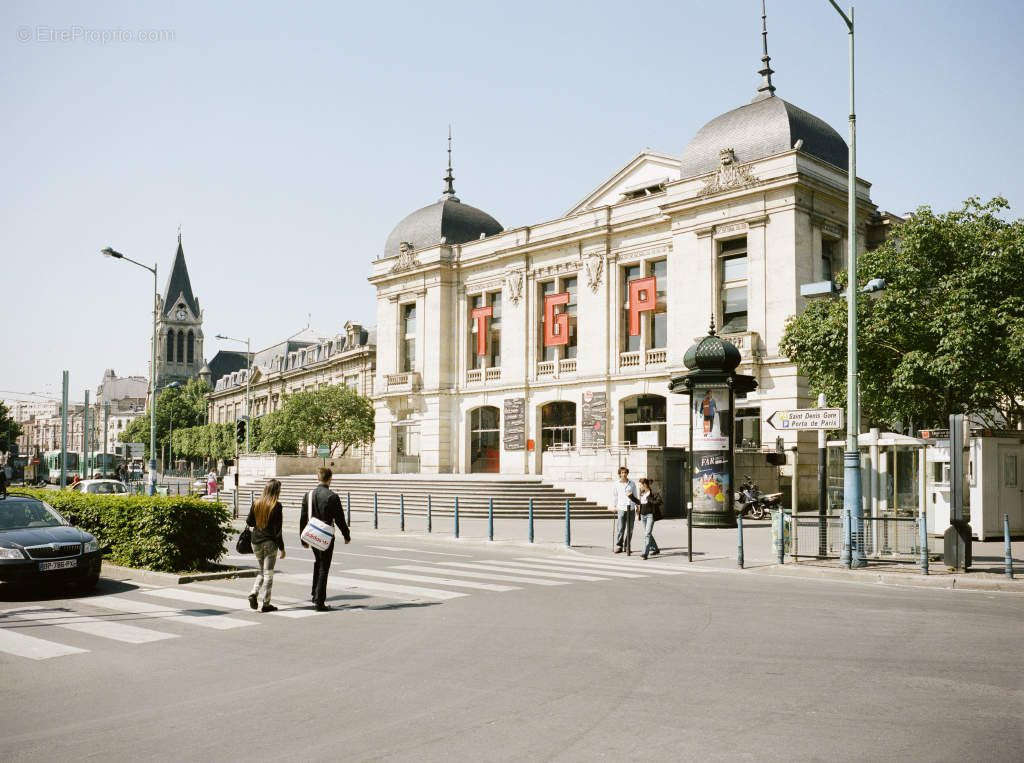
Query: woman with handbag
[[649, 511], [266, 518]]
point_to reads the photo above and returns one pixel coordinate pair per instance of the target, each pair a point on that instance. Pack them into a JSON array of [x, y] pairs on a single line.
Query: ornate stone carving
[[593, 265], [514, 286], [729, 176], [406, 258]]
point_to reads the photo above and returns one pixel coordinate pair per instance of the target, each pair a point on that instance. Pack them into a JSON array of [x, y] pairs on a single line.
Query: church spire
[[767, 89], [449, 179], [179, 285]]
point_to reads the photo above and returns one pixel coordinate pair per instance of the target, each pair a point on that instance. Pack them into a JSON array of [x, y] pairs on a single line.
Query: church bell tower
[[179, 349]]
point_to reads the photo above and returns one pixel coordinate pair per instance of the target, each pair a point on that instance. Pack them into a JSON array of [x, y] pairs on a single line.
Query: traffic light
[[240, 431]]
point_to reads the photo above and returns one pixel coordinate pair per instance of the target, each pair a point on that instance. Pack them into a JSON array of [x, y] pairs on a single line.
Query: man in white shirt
[[624, 498]]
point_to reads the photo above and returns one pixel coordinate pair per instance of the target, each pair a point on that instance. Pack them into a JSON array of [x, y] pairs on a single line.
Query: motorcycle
[[753, 503]]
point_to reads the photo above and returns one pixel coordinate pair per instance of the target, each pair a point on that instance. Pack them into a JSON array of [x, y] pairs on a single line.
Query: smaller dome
[[712, 353], [447, 219]]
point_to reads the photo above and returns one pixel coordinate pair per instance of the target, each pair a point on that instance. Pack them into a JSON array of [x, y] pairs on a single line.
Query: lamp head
[[108, 252]]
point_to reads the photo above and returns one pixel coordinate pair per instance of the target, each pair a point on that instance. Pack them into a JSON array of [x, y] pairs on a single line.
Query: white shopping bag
[[316, 533]]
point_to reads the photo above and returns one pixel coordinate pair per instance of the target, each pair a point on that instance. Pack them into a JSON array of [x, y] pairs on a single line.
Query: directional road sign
[[808, 418]]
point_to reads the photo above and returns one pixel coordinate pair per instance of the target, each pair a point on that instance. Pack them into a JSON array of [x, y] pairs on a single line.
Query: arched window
[[170, 346], [181, 346], [643, 413], [558, 425], [191, 347], [484, 440]]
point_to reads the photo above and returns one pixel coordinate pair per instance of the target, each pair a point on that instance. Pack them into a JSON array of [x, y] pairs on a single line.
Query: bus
[[49, 467], [104, 465]]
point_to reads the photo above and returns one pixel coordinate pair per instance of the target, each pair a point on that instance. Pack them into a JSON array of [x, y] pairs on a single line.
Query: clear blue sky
[[287, 139]]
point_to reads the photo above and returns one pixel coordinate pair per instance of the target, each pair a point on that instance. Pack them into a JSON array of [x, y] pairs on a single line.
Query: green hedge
[[173, 534]]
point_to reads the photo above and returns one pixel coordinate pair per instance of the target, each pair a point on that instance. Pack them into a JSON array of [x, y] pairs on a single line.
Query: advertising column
[[711, 425]]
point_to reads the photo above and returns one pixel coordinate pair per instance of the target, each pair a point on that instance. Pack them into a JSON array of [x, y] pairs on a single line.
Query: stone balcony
[[748, 343], [478, 375], [642, 360], [408, 381]]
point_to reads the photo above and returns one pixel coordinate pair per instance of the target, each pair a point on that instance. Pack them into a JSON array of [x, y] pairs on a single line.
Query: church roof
[[179, 287]]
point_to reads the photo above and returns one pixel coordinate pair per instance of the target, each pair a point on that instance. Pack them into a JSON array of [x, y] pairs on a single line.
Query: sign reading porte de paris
[[808, 418]]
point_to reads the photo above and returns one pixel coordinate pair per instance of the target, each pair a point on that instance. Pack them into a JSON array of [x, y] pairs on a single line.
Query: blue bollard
[[739, 542], [845, 555], [923, 532], [374, 509], [430, 515], [530, 533], [348, 509], [456, 516], [1008, 549], [781, 549], [401, 512], [568, 530], [490, 518]]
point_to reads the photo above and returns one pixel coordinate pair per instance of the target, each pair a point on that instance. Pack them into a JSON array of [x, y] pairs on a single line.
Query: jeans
[[266, 558], [624, 528], [321, 568], [650, 544]]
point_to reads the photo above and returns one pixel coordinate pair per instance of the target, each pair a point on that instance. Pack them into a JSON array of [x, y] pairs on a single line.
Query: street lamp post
[[248, 376], [853, 553], [151, 490]]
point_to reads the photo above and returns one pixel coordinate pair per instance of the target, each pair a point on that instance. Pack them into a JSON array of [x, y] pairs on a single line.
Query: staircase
[[511, 496]]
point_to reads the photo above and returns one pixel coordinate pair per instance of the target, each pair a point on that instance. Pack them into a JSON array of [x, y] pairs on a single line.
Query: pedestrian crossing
[[148, 615]]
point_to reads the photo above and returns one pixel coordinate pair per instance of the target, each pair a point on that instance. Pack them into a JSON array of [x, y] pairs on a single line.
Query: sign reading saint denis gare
[[808, 418]]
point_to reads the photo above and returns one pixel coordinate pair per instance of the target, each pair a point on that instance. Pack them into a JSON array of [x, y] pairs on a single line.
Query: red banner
[[643, 298], [556, 325], [480, 316]]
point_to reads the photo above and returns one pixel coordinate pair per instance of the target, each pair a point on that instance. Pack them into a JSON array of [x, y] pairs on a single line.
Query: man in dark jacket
[[327, 508]]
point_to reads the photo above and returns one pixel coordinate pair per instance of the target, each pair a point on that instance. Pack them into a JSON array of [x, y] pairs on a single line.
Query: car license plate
[[60, 564]]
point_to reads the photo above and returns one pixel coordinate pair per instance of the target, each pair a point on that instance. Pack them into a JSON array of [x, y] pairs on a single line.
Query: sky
[[288, 139]]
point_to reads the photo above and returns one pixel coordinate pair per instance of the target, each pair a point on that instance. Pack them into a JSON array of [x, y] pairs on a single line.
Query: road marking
[[31, 647], [528, 573], [480, 575], [342, 583], [222, 602], [417, 551], [286, 600], [94, 626], [434, 580], [545, 567], [188, 616], [599, 566], [345, 552]]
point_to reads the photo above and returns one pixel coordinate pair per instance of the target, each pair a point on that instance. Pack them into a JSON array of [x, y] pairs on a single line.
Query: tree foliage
[[210, 441], [10, 429], [184, 406], [333, 415], [947, 334]]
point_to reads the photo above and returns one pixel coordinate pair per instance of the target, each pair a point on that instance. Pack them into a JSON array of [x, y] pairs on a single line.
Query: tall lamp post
[[853, 553], [151, 489], [248, 376]]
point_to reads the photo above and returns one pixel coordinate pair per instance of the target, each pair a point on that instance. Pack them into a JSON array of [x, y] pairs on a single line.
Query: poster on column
[[710, 481], [515, 423], [710, 419], [595, 420]]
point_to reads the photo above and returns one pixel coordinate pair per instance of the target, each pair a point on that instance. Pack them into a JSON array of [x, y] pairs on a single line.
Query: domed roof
[[447, 219], [712, 353], [765, 127]]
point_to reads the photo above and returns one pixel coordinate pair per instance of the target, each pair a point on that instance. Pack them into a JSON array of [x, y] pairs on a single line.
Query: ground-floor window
[[748, 427], [558, 425], [484, 439], [407, 448], [644, 413]]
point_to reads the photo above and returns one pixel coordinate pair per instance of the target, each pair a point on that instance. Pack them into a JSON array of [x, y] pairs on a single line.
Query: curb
[[116, 572], [977, 582]]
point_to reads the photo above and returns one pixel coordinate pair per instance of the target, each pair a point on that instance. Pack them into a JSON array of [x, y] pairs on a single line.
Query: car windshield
[[17, 514], [106, 487]]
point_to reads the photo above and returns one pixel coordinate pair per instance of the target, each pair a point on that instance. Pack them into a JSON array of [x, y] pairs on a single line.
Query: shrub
[[173, 534]]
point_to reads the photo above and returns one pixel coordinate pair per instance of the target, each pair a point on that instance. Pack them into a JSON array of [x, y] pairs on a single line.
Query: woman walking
[[649, 511], [266, 517]]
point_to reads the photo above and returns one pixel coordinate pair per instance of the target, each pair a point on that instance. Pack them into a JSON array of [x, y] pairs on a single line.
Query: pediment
[[646, 169]]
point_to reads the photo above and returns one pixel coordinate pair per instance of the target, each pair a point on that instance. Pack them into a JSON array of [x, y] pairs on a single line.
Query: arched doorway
[[558, 425], [485, 440], [644, 413]]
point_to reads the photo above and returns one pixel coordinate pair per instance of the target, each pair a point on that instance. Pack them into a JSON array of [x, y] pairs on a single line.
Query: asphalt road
[[536, 664]]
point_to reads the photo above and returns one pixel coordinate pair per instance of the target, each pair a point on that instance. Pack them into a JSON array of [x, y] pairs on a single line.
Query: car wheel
[[88, 582]]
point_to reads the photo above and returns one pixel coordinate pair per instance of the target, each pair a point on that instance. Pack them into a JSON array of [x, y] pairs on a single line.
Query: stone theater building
[[499, 350]]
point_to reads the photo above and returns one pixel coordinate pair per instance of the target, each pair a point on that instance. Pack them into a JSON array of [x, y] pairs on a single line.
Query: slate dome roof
[[447, 218], [765, 127]]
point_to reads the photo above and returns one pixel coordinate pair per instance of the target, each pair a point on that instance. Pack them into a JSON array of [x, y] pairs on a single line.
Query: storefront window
[[485, 440], [644, 413], [558, 425], [748, 427]]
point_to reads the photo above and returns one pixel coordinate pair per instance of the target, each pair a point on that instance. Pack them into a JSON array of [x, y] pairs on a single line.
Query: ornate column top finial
[[767, 89]]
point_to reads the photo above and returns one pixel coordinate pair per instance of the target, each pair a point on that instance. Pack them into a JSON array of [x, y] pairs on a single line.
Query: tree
[[333, 415], [947, 334], [10, 429], [185, 406], [271, 432]]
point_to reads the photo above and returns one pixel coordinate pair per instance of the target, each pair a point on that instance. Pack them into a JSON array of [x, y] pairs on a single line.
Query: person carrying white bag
[[321, 510]]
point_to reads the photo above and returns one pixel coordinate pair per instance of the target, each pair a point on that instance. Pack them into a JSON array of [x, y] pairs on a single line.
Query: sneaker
[[252, 601], [618, 549], [322, 608], [268, 608]]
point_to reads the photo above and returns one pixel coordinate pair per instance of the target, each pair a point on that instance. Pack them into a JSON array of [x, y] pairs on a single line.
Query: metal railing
[[888, 538]]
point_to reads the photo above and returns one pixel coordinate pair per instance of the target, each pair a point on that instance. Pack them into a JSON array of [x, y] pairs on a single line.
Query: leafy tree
[[10, 429], [185, 406], [947, 334], [333, 415], [272, 433], [210, 441]]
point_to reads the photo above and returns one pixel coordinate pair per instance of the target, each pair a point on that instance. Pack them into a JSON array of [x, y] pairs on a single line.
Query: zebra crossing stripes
[[564, 568], [220, 602], [435, 580], [94, 626], [481, 575], [527, 573], [23, 645], [201, 618], [599, 566], [375, 588]]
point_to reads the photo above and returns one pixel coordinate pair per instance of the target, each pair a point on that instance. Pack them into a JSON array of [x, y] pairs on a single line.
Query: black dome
[[447, 219]]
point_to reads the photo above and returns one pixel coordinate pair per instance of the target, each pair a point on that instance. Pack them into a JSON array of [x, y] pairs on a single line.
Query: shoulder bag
[[318, 534], [244, 543]]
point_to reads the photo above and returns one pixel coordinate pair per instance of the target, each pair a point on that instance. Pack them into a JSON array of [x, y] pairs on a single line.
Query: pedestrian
[[3, 482], [324, 504], [650, 512], [211, 483], [624, 498], [266, 517]]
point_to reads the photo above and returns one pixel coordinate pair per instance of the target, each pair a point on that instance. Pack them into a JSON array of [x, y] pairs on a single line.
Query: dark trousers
[[321, 568]]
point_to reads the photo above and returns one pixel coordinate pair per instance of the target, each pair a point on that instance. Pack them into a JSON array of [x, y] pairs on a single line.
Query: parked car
[[38, 545], [101, 487]]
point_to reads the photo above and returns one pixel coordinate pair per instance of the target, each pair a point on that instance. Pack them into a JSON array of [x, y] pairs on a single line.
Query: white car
[[101, 487]]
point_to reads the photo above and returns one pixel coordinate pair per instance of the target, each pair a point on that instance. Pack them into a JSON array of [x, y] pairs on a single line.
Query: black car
[[38, 545]]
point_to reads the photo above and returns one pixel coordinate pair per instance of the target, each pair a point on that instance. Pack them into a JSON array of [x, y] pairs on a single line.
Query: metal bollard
[[846, 554], [490, 518], [1008, 548], [781, 549], [568, 529], [430, 515], [922, 519], [739, 546], [401, 512], [456, 516], [348, 508], [374, 509], [530, 533]]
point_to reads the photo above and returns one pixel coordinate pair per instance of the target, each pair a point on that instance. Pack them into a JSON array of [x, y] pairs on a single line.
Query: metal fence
[[888, 537]]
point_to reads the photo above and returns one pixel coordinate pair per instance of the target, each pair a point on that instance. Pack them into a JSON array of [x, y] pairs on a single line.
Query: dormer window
[[643, 190]]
